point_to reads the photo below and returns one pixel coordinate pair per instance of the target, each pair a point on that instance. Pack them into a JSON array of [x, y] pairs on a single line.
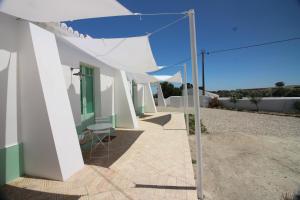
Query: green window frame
[[87, 92]]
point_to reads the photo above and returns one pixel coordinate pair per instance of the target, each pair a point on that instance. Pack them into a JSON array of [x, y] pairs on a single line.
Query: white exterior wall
[[149, 100], [107, 92], [9, 109], [103, 81], [36, 94], [178, 101], [270, 104], [73, 88]]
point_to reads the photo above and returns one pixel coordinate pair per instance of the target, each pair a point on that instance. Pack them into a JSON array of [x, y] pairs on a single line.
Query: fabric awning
[[142, 78], [62, 10], [176, 78], [131, 54]]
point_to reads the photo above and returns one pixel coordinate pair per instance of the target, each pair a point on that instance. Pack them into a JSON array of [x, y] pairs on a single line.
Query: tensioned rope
[[167, 25], [165, 13], [153, 32]]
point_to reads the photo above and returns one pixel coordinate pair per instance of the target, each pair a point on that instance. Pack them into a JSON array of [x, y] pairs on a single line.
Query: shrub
[[192, 125], [297, 105], [290, 196], [214, 103], [294, 92], [255, 99], [280, 92], [235, 97]]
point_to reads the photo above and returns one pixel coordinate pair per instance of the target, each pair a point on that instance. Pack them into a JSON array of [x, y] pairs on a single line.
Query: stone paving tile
[[153, 162]]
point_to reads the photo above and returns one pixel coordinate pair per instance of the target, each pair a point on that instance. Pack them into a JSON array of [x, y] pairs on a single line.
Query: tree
[[280, 91], [169, 90], [234, 98], [280, 84], [255, 99]]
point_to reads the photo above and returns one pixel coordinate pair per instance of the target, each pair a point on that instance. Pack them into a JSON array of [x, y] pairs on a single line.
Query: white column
[[191, 14], [124, 108], [51, 147], [186, 100], [160, 96], [149, 100], [140, 99]]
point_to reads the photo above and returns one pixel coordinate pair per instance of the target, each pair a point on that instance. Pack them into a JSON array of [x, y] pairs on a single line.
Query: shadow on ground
[[105, 156], [161, 120], [144, 116], [9, 192], [168, 187]]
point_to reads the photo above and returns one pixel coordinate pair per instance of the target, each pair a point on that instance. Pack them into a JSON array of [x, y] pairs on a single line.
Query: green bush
[[297, 105], [255, 98], [192, 125], [235, 97], [214, 103]]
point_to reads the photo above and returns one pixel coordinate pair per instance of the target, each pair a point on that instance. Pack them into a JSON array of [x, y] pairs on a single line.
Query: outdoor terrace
[[153, 162]]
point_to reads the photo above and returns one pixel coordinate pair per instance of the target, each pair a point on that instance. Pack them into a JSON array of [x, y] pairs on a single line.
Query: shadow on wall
[[9, 192], [161, 120], [119, 145], [72, 97], [107, 99], [3, 103]]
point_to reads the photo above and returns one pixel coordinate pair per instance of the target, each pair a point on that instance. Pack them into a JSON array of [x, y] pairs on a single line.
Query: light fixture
[[79, 74]]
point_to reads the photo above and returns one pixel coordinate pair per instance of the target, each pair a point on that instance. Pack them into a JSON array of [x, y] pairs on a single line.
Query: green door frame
[[87, 99]]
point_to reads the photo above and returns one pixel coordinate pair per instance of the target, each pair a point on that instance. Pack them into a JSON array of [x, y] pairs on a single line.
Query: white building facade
[[50, 92]]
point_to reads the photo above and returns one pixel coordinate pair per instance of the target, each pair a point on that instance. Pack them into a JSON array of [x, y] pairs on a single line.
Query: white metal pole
[[191, 14], [185, 93]]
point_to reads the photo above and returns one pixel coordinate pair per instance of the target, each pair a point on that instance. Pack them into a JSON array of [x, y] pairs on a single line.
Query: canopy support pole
[[185, 93], [192, 27]]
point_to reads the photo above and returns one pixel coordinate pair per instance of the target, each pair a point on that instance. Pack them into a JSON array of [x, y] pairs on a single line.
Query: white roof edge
[[62, 10]]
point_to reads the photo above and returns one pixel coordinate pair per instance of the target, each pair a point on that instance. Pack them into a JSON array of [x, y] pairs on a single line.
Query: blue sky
[[220, 25]]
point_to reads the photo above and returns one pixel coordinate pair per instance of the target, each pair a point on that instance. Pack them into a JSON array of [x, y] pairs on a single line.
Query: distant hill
[[284, 91]]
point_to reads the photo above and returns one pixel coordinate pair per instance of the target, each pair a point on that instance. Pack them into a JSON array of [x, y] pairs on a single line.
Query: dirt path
[[249, 156]]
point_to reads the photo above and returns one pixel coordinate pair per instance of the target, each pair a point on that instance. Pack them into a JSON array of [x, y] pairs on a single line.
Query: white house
[[52, 87]]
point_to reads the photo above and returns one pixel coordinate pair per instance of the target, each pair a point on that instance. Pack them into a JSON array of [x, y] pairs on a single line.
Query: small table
[[99, 127], [93, 128]]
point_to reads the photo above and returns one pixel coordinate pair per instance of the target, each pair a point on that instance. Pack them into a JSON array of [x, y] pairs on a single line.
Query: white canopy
[[141, 78], [131, 54], [62, 10], [176, 78]]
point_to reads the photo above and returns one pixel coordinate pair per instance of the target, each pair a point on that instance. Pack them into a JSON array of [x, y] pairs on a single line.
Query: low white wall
[[270, 104], [9, 109], [178, 101]]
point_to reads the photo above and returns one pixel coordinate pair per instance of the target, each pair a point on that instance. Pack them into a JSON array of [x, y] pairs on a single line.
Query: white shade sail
[[131, 54], [176, 78], [141, 78], [62, 10]]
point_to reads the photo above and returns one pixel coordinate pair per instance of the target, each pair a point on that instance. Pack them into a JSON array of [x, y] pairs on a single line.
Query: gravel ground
[[249, 155]]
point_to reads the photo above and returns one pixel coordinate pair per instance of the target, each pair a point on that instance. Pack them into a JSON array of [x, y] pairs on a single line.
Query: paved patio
[[153, 162]]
